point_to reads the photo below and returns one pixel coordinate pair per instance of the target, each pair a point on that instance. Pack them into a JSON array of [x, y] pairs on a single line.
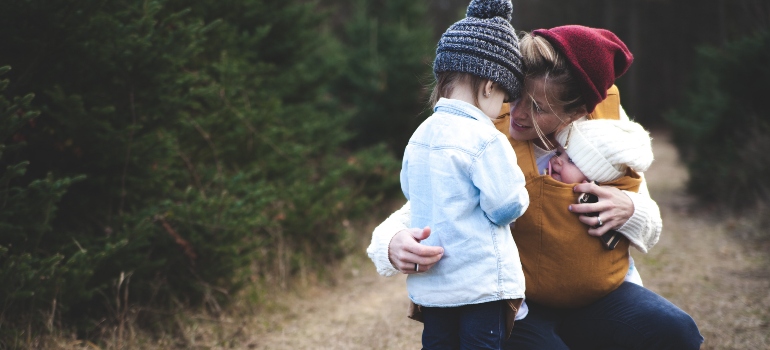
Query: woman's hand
[[614, 208], [405, 250]]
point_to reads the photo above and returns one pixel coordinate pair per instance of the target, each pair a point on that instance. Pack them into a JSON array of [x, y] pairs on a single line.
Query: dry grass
[[352, 308], [700, 264]]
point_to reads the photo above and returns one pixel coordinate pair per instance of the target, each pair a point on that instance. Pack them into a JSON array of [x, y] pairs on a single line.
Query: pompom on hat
[[604, 149], [483, 44], [596, 57]]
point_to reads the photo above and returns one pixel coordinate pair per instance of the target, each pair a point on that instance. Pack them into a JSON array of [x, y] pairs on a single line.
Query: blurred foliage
[[722, 128], [388, 68], [174, 152]]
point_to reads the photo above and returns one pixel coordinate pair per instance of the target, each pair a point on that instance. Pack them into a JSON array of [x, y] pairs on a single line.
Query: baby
[[600, 150]]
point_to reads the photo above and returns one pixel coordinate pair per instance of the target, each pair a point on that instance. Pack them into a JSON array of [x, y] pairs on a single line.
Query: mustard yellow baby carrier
[[563, 265]]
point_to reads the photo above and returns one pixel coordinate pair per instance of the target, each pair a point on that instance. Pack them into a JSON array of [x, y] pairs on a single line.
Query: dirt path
[[698, 264]]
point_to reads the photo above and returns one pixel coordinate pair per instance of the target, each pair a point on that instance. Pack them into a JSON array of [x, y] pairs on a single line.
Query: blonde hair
[[544, 62]]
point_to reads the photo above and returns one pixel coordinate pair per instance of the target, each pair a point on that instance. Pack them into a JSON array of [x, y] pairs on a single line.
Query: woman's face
[[533, 110]]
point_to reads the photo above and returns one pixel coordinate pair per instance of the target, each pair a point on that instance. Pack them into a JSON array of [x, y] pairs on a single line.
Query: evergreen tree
[[31, 273], [388, 70], [721, 128], [206, 144]]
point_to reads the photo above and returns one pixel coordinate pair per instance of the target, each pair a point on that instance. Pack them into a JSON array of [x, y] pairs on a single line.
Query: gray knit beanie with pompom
[[483, 44]]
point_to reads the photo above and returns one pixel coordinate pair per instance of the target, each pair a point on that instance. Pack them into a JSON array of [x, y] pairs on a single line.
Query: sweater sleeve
[[378, 249], [644, 227]]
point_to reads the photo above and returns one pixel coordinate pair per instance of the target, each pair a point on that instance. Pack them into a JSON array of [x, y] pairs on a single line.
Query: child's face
[[563, 169]]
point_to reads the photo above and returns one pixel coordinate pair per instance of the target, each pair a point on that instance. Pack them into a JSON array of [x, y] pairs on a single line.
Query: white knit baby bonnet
[[603, 149]]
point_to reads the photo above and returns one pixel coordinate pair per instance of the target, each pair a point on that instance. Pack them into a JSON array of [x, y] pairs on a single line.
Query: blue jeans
[[476, 326], [631, 317]]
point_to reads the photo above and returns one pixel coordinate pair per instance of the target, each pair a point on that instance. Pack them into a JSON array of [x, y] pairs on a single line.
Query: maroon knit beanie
[[597, 57]]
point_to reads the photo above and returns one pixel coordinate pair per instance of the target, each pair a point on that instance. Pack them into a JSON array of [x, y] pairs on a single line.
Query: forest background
[[163, 155]]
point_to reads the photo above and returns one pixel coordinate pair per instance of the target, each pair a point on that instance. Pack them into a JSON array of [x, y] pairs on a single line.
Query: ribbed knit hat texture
[[597, 57], [603, 149], [483, 44]]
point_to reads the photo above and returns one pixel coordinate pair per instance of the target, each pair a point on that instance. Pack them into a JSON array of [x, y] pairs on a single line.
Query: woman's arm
[[644, 227], [396, 248], [635, 215]]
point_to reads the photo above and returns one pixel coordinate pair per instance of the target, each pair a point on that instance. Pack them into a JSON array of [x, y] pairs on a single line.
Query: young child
[[460, 174]]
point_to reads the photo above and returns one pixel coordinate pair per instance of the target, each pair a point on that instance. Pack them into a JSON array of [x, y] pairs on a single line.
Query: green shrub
[[180, 152], [390, 49], [722, 129], [31, 271]]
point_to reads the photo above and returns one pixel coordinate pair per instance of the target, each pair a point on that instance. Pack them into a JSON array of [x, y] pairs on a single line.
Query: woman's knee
[[676, 330], [643, 319]]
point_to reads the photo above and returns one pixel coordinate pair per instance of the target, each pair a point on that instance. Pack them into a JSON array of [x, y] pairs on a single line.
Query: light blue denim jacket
[[461, 177]]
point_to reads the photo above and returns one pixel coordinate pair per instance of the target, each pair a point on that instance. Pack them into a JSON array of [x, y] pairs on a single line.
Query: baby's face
[[563, 169]]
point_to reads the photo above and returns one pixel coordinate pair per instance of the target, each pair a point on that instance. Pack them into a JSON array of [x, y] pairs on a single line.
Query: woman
[[570, 70]]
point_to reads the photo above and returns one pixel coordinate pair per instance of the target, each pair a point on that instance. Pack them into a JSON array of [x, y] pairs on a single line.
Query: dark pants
[[631, 317], [477, 326]]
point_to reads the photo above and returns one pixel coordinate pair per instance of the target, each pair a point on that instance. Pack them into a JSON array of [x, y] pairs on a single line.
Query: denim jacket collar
[[461, 108]]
